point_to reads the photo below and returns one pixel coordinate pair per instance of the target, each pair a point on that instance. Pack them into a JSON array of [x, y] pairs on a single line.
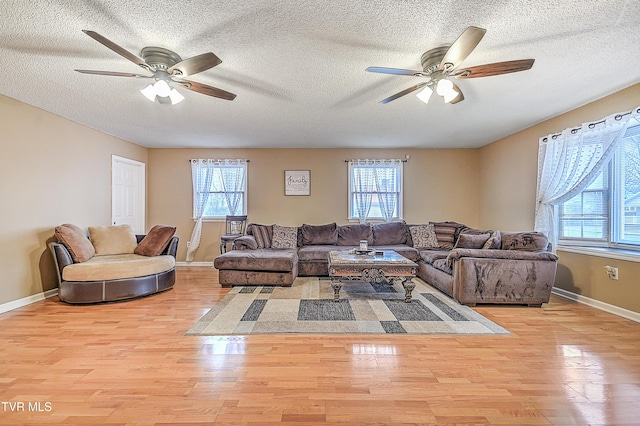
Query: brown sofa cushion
[[389, 233], [319, 234], [471, 241], [447, 233], [156, 240], [350, 235], [76, 241], [257, 260], [528, 241], [118, 239]]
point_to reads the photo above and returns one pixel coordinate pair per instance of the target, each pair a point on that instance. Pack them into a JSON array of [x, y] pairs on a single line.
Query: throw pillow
[[118, 239], [447, 233], [350, 235], [262, 234], [156, 240], [76, 241], [284, 237], [320, 234], [389, 233], [528, 241], [494, 241], [423, 236], [471, 241]]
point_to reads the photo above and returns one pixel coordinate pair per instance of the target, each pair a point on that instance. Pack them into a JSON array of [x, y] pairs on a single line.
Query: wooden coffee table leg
[[336, 285], [408, 285]]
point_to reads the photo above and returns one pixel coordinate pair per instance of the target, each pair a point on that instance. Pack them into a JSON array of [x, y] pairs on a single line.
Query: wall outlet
[[612, 272], [188, 244]]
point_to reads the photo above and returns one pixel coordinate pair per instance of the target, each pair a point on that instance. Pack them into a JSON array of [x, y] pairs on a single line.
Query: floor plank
[[130, 363]]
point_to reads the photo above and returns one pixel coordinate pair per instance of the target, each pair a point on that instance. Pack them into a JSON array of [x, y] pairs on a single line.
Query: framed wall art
[[297, 182]]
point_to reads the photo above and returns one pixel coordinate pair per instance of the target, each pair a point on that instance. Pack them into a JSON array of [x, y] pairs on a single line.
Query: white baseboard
[[208, 264], [9, 306], [612, 309]]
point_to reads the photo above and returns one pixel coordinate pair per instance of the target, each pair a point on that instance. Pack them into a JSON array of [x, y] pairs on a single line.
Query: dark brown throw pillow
[[76, 241], [262, 233], [472, 241], [154, 243], [320, 234], [350, 235]]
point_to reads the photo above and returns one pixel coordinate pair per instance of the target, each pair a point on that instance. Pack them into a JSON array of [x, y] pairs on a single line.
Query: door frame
[[142, 185]]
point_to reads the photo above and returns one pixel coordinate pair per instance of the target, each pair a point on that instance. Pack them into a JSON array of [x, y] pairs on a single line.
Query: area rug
[[308, 307]]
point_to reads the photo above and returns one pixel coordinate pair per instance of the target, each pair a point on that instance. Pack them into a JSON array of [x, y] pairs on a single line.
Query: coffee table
[[371, 268]]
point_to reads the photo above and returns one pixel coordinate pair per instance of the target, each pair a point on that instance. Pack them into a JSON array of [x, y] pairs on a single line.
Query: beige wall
[[508, 173], [431, 191], [52, 171]]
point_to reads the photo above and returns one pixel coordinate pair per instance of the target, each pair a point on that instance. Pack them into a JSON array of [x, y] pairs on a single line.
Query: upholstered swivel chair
[[234, 227]]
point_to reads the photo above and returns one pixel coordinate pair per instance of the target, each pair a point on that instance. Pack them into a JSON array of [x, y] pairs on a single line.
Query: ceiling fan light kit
[[167, 68], [441, 64]]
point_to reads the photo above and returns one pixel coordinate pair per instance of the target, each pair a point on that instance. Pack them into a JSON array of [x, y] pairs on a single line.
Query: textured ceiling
[[298, 67]]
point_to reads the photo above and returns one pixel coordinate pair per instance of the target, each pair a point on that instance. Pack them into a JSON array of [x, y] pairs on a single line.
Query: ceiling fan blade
[[460, 96], [396, 71], [461, 48], [195, 65], [404, 92], [495, 68], [112, 73], [205, 89], [119, 50]]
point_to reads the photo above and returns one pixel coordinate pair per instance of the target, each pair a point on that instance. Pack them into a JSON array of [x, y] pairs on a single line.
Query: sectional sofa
[[470, 265]]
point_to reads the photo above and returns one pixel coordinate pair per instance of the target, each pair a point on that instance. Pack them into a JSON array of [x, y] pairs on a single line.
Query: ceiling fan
[[441, 64], [167, 68]]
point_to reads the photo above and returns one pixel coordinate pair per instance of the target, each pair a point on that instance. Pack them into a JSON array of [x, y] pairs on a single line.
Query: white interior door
[[128, 198]]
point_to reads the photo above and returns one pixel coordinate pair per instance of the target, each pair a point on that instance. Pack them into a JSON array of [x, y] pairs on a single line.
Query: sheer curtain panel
[[363, 185], [569, 161], [202, 177]]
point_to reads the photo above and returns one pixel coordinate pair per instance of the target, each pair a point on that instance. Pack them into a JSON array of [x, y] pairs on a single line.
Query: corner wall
[[52, 171], [508, 175]]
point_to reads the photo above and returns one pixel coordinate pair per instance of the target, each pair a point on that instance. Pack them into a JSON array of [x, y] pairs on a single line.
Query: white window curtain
[[202, 177], [569, 161], [387, 187], [202, 174], [363, 185], [232, 181]]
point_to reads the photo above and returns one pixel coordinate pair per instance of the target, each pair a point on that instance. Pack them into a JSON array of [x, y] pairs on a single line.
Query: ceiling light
[[149, 92], [162, 90], [175, 96], [446, 90], [425, 94]]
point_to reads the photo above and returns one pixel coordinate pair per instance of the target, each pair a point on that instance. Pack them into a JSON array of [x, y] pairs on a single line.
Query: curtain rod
[[248, 161], [373, 159], [592, 125]]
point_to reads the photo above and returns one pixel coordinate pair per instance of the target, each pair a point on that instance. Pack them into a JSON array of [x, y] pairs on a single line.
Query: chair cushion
[[115, 267], [76, 241], [118, 239], [156, 240]]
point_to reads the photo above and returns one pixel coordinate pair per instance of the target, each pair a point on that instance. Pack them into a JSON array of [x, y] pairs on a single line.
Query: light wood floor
[[130, 363]]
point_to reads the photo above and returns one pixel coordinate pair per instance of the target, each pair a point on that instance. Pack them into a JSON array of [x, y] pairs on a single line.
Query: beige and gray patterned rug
[[308, 308]]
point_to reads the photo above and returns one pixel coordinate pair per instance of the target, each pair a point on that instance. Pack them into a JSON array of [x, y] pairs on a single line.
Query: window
[[220, 188], [375, 190], [607, 212]]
